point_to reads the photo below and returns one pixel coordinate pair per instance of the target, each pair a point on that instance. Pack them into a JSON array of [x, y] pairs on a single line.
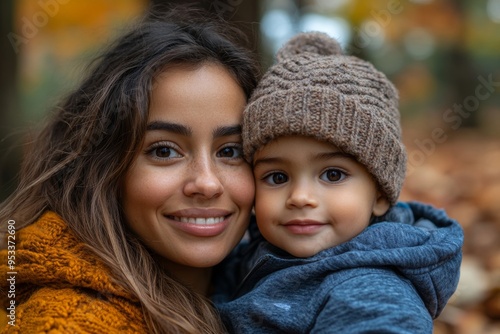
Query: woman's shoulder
[[51, 270], [47, 252], [49, 226], [75, 310], [50, 251]]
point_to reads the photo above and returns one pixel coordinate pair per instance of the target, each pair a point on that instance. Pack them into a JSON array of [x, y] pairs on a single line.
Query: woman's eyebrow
[[170, 127], [224, 131]]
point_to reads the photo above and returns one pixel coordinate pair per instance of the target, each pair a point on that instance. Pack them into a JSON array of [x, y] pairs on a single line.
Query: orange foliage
[[69, 27], [86, 14], [462, 176]]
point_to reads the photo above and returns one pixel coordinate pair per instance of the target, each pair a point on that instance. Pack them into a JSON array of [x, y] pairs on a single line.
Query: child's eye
[[333, 175], [231, 152], [275, 178], [163, 151]]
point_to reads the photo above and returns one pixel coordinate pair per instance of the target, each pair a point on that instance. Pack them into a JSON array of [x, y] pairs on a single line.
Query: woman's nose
[[204, 179], [301, 196]]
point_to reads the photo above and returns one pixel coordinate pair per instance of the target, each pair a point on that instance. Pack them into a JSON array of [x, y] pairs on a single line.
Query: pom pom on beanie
[[313, 42]]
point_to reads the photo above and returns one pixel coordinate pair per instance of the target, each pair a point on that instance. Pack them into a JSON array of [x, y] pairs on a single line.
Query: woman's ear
[[381, 205]]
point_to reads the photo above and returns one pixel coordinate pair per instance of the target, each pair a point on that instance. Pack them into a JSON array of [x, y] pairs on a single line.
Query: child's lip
[[304, 226], [303, 222]]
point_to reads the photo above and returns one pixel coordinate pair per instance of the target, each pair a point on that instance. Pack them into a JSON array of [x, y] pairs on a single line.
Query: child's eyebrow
[[331, 155], [320, 156], [264, 161]]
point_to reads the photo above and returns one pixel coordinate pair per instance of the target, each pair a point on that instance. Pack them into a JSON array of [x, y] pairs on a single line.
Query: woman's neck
[[197, 279]]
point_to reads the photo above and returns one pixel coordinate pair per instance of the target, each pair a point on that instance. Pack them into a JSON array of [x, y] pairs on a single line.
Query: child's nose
[[302, 195]]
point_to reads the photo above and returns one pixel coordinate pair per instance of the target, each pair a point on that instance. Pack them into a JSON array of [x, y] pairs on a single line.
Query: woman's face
[[189, 193]]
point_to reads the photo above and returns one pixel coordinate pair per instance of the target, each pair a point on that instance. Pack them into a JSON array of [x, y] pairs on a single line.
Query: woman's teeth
[[198, 221]]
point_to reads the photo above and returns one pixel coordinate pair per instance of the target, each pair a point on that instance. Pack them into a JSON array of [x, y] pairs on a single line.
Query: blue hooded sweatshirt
[[394, 277]]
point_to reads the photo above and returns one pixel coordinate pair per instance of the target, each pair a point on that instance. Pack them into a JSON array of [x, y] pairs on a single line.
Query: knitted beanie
[[314, 90]]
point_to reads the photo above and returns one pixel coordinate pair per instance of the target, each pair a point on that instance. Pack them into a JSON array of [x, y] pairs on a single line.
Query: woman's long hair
[[76, 164]]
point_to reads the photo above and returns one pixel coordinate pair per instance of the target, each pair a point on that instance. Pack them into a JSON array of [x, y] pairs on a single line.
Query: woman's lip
[[200, 222], [199, 213]]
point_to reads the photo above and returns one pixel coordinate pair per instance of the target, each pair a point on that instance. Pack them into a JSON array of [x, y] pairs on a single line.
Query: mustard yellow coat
[[58, 286]]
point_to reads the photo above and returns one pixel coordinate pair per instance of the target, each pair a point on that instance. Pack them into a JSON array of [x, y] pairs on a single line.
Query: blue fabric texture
[[394, 277]]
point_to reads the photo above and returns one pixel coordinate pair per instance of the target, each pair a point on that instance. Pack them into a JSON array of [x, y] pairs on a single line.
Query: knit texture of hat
[[314, 90]]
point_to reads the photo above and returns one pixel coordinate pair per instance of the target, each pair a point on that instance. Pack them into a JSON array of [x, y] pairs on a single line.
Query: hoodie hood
[[429, 255]]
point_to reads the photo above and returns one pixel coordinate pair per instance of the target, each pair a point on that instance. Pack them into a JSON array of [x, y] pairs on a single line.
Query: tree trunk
[[10, 150], [243, 13], [462, 73]]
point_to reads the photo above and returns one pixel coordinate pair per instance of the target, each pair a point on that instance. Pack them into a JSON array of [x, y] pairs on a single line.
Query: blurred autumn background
[[443, 56]]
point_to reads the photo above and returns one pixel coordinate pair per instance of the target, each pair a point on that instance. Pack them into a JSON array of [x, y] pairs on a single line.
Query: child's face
[[310, 196]]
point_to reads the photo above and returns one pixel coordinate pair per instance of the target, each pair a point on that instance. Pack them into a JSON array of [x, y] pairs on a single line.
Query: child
[[342, 256]]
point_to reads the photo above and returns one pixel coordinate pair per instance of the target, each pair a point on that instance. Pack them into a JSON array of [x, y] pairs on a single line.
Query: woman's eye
[[231, 152], [333, 175], [162, 151], [276, 178]]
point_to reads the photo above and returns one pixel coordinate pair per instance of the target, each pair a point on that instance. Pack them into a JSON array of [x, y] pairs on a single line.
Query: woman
[[135, 189]]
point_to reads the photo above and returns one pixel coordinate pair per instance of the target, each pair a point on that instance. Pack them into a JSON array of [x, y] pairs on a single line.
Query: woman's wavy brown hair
[[76, 164]]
